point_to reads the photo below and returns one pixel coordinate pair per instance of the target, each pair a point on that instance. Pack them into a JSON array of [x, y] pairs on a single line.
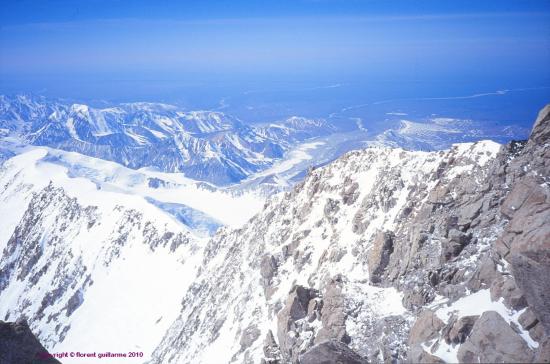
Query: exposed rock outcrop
[[460, 329], [293, 331], [333, 314], [492, 340], [331, 352], [516, 266], [379, 255], [18, 345]]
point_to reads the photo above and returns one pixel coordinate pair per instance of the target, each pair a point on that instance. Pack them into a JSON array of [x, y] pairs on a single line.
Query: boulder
[[331, 352], [426, 327], [460, 329], [505, 287], [492, 340]]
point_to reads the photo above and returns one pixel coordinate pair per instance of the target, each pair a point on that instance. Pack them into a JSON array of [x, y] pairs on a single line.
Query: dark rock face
[[333, 316], [530, 252], [526, 240], [18, 345], [291, 333], [460, 329], [331, 352], [493, 341], [379, 255]]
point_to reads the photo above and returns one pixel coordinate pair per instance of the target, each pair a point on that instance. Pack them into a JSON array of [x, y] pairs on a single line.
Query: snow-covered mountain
[[384, 256], [205, 145], [218, 148], [437, 133], [81, 262]]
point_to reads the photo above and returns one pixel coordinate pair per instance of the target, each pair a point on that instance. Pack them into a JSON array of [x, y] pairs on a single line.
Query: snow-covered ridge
[[81, 264], [309, 237]]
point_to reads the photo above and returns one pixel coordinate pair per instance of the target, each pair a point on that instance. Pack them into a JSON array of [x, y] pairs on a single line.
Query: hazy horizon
[[140, 50]]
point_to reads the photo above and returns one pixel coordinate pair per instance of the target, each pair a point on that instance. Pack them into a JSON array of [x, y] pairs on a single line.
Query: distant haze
[[120, 50]]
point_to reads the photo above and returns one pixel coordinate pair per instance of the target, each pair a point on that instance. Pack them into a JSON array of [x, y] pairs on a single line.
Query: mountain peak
[[80, 108], [541, 130]]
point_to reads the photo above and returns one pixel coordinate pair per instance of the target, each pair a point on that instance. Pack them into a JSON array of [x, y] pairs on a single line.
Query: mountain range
[[381, 255], [215, 147], [205, 145]]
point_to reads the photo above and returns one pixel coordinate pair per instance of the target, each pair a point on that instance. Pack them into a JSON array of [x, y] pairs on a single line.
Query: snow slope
[[87, 266]]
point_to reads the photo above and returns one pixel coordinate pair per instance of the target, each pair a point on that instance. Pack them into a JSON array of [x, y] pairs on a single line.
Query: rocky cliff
[[384, 255], [18, 345]]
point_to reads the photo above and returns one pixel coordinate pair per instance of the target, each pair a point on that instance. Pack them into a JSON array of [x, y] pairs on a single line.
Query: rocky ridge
[[381, 256]]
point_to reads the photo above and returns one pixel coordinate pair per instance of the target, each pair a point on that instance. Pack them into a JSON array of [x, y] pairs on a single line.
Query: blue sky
[[70, 45]]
